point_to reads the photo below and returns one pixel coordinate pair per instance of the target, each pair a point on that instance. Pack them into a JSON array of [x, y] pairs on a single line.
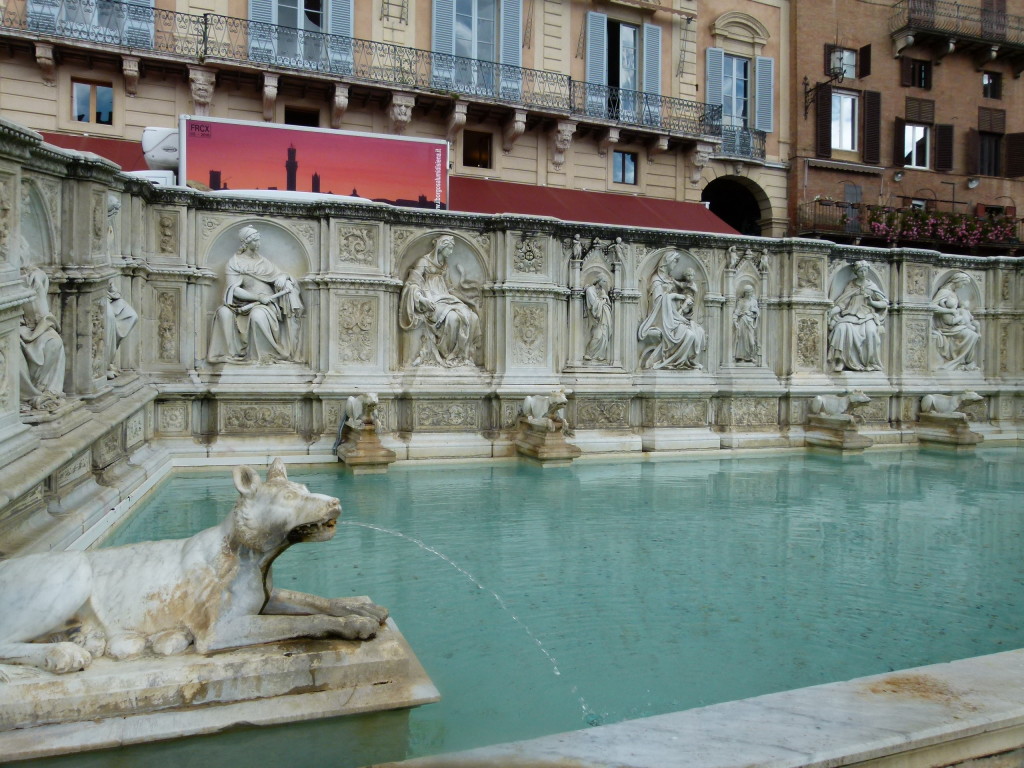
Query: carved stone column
[[201, 80]]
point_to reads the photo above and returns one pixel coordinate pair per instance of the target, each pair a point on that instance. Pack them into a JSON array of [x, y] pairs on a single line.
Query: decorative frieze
[[167, 326], [167, 233], [107, 449], [676, 413], [260, 418], [808, 343], [135, 429], [977, 411], [602, 414], [7, 215], [172, 417], [357, 245], [444, 415], [529, 334], [752, 411], [915, 349], [357, 330], [74, 469]]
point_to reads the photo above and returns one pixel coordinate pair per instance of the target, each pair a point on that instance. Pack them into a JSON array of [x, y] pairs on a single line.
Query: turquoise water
[[548, 600]]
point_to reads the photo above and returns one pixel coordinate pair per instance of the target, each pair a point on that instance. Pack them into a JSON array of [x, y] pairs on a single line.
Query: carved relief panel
[[357, 330], [529, 334], [750, 412], [810, 343], [675, 413], [602, 414], [168, 301], [172, 417], [354, 247], [446, 415], [257, 418]]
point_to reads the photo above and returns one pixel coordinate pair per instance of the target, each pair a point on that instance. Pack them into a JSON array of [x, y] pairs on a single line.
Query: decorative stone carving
[[700, 156], [107, 449], [948, 405], [269, 95], [74, 469], [6, 218], [529, 334], [130, 70], [543, 427], [917, 279], [259, 319], [399, 237], [5, 380], [456, 119], [599, 414], [201, 83], [120, 321], [1004, 288], [745, 320], [758, 258], [447, 415], [564, 130], [100, 217], [856, 321], [47, 64], [43, 358], [574, 247], [808, 340], [217, 595], [754, 411], [134, 429], [838, 405], [167, 326], [670, 335], [915, 350], [339, 103], [598, 308], [954, 328], [357, 326], [1004, 348], [528, 256], [258, 417], [168, 233], [808, 275], [172, 417], [447, 323], [617, 251], [356, 245], [400, 111], [941, 422], [609, 137], [514, 127], [676, 413], [357, 444]]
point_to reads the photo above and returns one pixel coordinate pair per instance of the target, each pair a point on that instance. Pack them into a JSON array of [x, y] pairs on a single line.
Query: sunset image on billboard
[[233, 154]]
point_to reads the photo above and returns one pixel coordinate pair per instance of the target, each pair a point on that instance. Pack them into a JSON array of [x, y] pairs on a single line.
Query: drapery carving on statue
[[670, 334], [438, 308], [212, 591], [598, 308], [856, 323], [745, 320], [43, 360], [259, 321], [954, 328], [121, 319]]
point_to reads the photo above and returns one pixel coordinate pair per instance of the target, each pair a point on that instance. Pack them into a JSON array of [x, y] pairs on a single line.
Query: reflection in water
[[657, 585]]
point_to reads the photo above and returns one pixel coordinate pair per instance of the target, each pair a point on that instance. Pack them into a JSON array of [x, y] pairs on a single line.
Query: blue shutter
[[713, 70], [261, 31], [764, 95], [443, 43], [597, 65], [339, 47], [138, 24], [651, 112], [511, 20]]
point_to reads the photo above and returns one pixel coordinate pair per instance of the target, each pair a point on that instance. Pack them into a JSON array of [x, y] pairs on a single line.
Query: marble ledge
[[944, 713]]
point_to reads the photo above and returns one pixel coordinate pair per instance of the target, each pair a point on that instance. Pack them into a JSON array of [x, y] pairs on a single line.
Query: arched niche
[[36, 228], [683, 265], [843, 276], [969, 292], [740, 33]]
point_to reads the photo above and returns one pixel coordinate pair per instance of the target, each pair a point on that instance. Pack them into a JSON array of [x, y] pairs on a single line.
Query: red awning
[[127, 154], [486, 196]]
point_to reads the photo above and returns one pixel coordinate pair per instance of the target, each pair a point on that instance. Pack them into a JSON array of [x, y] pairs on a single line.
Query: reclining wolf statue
[[213, 591]]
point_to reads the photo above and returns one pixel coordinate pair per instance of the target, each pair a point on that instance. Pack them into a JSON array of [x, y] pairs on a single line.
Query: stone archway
[[736, 203]]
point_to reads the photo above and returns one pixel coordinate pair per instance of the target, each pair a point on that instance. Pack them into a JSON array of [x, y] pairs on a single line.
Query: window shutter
[[823, 121], [442, 43], [597, 69], [651, 112], [864, 61], [511, 77], [927, 75], [1014, 154], [871, 148], [261, 34], [973, 151], [979, 210], [1010, 212], [906, 71], [991, 120], [339, 47], [764, 95], [714, 68], [829, 48], [919, 110], [899, 149], [943, 147]]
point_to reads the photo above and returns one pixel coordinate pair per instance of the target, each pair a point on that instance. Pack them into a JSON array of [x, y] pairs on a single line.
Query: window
[[918, 204], [624, 167], [92, 103], [735, 91], [916, 73], [295, 33], [992, 85], [843, 60], [476, 149], [916, 145], [623, 65], [310, 118], [990, 146], [844, 120]]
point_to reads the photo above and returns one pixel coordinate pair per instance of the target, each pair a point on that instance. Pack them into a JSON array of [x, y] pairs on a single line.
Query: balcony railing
[[964, 22], [211, 37], [907, 226], [743, 142]]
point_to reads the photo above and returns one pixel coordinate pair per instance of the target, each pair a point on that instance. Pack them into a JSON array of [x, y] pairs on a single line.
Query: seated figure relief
[[259, 319], [954, 328], [856, 323], [43, 357], [672, 338], [449, 323]]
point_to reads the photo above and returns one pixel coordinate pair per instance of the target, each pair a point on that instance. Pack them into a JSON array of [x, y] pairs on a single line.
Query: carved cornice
[[335, 280], [536, 291]]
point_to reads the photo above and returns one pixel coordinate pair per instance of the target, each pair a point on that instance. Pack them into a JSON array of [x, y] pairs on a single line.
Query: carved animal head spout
[[274, 514]]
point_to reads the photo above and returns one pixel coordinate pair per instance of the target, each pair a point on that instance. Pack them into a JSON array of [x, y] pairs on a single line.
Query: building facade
[[676, 100], [909, 129]]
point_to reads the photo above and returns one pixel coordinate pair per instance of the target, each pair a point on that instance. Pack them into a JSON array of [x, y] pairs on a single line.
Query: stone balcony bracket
[[339, 104], [400, 111], [457, 119], [130, 69], [658, 145], [46, 62], [609, 138], [514, 127], [269, 95], [563, 133], [900, 43]]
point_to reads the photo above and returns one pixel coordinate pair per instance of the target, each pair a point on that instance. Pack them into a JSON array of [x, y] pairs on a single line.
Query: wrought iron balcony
[[952, 20], [743, 142], [210, 38], [883, 225]]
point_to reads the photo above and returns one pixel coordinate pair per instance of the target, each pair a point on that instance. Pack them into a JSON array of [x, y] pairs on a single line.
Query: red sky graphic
[[254, 156]]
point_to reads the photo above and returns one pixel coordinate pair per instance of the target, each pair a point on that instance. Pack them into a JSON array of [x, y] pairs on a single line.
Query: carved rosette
[[529, 334], [239, 418], [528, 257], [447, 415], [172, 417], [167, 326], [602, 414], [917, 280], [356, 245], [915, 350], [808, 342], [357, 330], [808, 275], [209, 225], [676, 413]]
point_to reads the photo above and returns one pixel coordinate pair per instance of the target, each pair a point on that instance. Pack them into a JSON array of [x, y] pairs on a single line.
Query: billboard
[[236, 154]]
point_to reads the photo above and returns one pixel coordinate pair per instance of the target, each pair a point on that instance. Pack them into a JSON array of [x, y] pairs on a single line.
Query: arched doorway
[[735, 204]]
